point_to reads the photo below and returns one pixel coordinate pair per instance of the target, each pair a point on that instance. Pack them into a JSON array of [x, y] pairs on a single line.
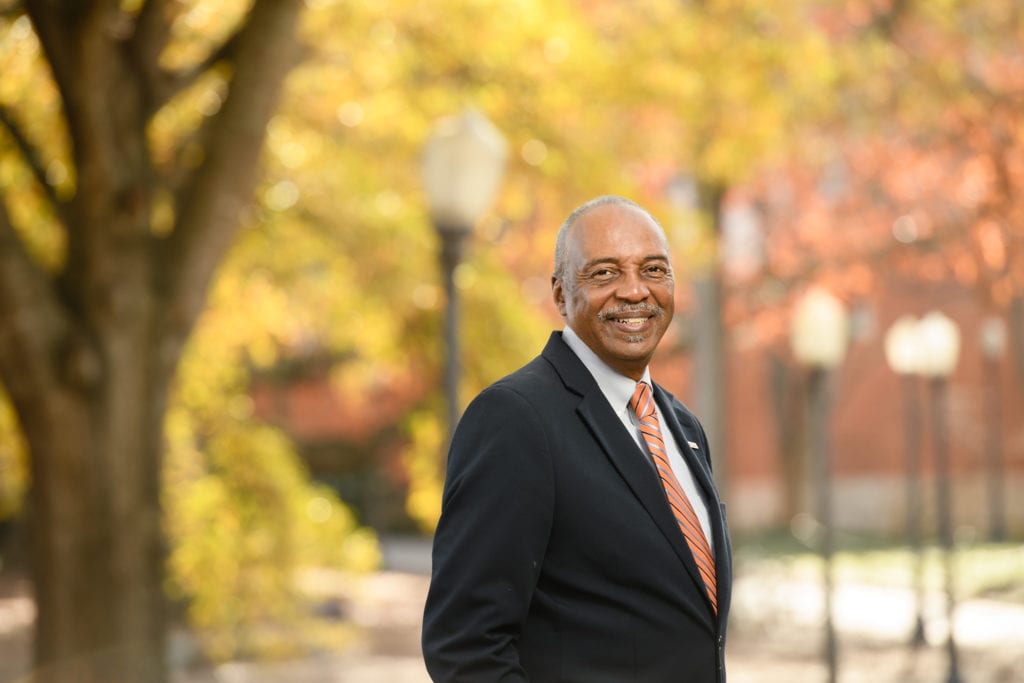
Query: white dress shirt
[[618, 389]]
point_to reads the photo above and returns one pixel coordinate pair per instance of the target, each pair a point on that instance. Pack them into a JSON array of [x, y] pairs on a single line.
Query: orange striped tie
[[642, 404]]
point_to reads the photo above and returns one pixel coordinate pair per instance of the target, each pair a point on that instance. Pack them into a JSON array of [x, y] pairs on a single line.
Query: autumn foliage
[[865, 146]]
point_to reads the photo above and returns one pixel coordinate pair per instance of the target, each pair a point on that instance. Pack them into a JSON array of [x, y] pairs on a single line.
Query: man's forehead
[[609, 226]]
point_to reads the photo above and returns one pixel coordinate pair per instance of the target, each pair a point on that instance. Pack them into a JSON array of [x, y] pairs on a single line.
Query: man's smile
[[632, 318]]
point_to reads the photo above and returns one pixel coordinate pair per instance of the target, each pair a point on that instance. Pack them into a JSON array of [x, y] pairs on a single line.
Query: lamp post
[[819, 336], [939, 340], [901, 352], [462, 167], [993, 345]]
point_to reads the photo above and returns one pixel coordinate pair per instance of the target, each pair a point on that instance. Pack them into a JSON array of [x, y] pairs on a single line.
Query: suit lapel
[[620, 448], [631, 465], [698, 464]]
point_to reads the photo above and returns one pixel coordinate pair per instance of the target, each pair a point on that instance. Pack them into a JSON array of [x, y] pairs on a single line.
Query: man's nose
[[632, 287]]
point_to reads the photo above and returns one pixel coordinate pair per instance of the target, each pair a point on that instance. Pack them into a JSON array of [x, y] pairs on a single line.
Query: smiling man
[[581, 537]]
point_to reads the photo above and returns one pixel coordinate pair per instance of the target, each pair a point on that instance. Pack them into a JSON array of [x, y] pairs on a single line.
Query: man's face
[[617, 293]]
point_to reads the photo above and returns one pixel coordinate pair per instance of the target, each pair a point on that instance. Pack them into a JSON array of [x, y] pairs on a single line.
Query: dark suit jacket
[[556, 557]]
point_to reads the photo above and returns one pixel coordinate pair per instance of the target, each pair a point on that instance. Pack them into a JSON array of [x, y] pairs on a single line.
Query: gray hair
[[561, 257]]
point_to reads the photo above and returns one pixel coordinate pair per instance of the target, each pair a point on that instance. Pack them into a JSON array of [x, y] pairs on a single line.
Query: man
[[581, 538]]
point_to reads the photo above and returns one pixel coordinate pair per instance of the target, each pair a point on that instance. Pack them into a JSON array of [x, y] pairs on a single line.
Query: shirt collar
[[617, 388]]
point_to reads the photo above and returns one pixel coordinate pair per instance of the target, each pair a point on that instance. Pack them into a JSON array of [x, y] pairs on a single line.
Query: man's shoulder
[[555, 373], [537, 375], [530, 393]]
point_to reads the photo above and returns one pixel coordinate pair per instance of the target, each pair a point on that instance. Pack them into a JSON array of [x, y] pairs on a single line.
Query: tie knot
[[642, 402]]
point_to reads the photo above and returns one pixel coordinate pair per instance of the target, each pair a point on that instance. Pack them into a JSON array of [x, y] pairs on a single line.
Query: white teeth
[[632, 321]]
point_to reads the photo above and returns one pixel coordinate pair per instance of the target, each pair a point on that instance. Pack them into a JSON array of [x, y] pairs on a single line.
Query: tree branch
[[209, 204], [31, 157], [152, 32], [31, 317], [887, 20], [14, 8], [184, 79], [164, 85], [102, 95], [153, 27], [53, 22], [177, 173]]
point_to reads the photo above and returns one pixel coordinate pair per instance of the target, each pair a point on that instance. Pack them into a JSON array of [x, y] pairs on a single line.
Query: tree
[[344, 154], [913, 183], [920, 175], [729, 87], [89, 341]]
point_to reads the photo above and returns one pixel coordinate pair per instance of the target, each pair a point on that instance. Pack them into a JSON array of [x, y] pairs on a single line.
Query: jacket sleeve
[[490, 540]]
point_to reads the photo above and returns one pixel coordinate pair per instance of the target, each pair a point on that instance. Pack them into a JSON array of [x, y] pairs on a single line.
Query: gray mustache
[[624, 311]]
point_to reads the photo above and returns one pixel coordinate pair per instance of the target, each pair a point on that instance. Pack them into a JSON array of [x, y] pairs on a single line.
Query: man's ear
[[558, 295]]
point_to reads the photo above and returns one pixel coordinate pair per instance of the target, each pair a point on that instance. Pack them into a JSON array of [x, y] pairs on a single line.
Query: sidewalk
[[775, 633]]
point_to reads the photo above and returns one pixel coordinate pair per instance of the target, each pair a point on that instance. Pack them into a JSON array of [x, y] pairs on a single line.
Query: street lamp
[[819, 336], [901, 352], [462, 167], [939, 340], [993, 346]]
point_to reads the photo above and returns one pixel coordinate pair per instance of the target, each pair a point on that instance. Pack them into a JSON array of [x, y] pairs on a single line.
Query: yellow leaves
[[242, 515], [423, 459], [732, 78], [243, 520], [14, 466], [199, 27], [30, 98], [696, 249], [19, 54], [170, 131], [359, 550], [947, 13], [31, 213]]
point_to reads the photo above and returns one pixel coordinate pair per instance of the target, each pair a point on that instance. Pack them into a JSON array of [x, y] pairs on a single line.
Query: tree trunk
[[88, 356], [1017, 336], [787, 400], [97, 554], [711, 345]]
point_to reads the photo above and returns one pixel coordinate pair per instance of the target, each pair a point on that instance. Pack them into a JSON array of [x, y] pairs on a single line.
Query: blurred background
[[256, 256]]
